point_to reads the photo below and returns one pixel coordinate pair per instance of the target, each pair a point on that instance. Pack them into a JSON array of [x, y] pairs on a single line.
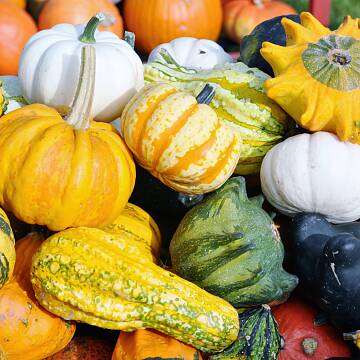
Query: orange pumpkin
[[21, 3], [242, 16], [25, 327], [85, 348], [80, 11], [16, 27], [159, 21], [151, 344]]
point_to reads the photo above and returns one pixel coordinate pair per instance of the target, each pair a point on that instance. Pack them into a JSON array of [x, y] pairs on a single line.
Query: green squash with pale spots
[[229, 246]]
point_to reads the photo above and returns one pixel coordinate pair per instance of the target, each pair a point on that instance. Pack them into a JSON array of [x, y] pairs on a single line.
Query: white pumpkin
[[50, 65], [314, 173], [193, 53]]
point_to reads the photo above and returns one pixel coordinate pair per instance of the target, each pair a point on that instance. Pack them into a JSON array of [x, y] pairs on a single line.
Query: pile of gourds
[[92, 142]]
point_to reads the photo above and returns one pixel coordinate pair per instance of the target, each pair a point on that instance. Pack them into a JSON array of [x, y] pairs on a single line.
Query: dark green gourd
[[230, 246]]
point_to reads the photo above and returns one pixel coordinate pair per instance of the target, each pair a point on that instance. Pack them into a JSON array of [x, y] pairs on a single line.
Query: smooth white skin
[[314, 173], [193, 53], [50, 67]]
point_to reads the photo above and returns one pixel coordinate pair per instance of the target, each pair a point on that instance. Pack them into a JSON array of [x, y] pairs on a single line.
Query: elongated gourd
[[95, 277]]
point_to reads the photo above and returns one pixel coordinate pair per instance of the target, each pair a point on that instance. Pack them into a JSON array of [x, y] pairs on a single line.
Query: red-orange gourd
[[80, 11], [25, 327], [159, 21], [16, 27], [85, 348], [242, 16], [151, 344]]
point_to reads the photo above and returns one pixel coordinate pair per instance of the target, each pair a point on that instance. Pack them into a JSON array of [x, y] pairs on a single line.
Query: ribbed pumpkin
[[16, 27], [180, 139], [91, 276], [242, 16], [26, 329], [85, 348], [317, 77], [239, 101], [136, 225], [150, 344], [80, 11], [258, 339], [7, 249], [229, 246], [64, 172], [160, 21]]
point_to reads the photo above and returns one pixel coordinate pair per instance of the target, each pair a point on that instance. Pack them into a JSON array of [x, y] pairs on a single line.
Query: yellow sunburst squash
[[180, 139], [317, 75], [64, 171]]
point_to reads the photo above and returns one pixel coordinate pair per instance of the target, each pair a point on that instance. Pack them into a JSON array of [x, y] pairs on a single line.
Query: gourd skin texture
[[7, 249], [135, 224], [193, 53], [179, 141], [229, 246], [240, 101], [26, 327], [317, 76], [54, 175], [90, 276], [150, 344], [299, 175], [258, 338], [50, 54]]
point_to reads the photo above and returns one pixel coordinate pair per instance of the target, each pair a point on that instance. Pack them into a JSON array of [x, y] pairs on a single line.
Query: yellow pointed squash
[[317, 75]]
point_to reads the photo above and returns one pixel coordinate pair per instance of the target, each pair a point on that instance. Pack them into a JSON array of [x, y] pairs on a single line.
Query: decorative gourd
[[304, 339], [229, 246], [180, 139], [52, 53], [7, 249], [16, 27], [258, 337], [26, 329], [240, 101], [242, 16], [136, 225], [317, 80], [85, 348], [161, 21], [10, 94], [193, 53], [299, 175], [40, 186], [150, 344], [329, 266], [91, 276], [269, 30], [80, 11]]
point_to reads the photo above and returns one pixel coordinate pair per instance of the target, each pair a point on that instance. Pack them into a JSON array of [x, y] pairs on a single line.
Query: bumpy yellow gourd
[[317, 75], [102, 279]]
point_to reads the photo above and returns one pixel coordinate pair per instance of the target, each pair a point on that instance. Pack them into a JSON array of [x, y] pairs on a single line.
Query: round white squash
[[50, 65], [314, 173], [193, 53]]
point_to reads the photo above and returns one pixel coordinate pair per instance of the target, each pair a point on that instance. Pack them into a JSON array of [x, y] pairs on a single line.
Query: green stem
[[206, 95], [88, 36], [168, 58], [79, 116], [129, 37]]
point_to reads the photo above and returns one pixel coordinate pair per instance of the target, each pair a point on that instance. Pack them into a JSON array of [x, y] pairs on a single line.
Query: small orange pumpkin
[[159, 21], [16, 27], [25, 327], [242, 16], [151, 344], [21, 3], [78, 12]]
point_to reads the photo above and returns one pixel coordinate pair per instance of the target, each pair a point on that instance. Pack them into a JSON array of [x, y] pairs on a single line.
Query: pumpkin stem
[[129, 37], [309, 346], [206, 95], [88, 36], [79, 116]]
